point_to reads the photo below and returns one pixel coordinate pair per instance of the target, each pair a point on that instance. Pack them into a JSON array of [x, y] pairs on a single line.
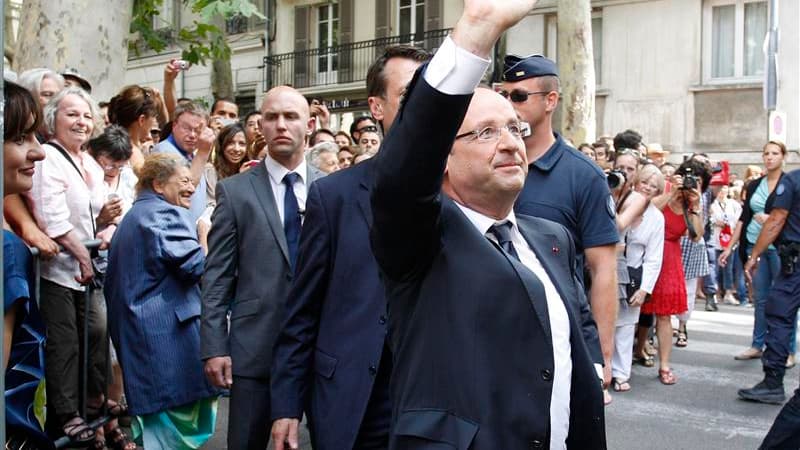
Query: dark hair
[[249, 115], [358, 120], [102, 104], [312, 140], [344, 133], [376, 81], [131, 102], [223, 167], [223, 99], [697, 169], [114, 143], [20, 108], [627, 139]]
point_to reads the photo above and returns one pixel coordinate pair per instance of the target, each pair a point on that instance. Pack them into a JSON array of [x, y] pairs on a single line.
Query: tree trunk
[[576, 67], [221, 72], [88, 35]]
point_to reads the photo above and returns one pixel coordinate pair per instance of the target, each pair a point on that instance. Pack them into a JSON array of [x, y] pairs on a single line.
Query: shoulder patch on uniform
[[780, 189], [611, 208]]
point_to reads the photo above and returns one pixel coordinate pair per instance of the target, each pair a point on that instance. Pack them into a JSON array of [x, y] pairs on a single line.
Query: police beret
[[516, 68]]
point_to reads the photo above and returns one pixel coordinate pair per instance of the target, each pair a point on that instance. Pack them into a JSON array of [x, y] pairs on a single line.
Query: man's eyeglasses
[[520, 96], [368, 129], [491, 134], [189, 130]]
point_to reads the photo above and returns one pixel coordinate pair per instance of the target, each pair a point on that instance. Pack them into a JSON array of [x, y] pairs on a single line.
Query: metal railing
[[340, 64]]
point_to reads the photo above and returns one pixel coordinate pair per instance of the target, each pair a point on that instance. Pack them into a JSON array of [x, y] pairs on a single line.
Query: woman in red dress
[[669, 293]]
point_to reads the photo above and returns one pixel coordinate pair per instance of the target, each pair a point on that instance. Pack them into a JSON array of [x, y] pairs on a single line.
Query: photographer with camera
[[783, 226], [682, 214]]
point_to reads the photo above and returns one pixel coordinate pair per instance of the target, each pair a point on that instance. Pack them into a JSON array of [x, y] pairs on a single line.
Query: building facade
[[685, 73]]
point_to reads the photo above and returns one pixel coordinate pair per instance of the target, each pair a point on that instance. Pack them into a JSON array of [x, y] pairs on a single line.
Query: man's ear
[[552, 101], [311, 126], [376, 108]]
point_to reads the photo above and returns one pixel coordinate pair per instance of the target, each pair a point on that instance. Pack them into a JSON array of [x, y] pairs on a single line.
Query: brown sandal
[[665, 376]]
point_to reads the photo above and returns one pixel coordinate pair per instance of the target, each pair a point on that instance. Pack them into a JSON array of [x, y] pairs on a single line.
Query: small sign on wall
[[777, 126]]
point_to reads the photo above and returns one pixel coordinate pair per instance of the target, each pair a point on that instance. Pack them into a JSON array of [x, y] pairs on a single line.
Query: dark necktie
[[502, 232], [291, 217]]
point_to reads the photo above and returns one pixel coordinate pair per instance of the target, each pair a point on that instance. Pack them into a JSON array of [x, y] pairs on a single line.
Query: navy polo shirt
[[567, 187], [787, 196]]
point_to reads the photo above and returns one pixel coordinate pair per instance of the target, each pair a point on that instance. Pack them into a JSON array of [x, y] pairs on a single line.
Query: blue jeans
[[767, 271], [738, 277], [724, 274], [710, 280]]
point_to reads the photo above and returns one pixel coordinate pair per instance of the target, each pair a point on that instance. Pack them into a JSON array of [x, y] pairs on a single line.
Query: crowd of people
[[303, 270]]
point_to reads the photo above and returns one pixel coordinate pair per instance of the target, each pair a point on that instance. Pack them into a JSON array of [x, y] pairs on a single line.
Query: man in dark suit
[[330, 360], [252, 250], [488, 351]]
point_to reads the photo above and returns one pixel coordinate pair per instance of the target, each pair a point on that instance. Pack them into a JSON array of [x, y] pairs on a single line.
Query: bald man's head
[[285, 122]]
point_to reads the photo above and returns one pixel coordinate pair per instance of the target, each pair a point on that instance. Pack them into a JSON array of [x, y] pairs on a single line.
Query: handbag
[[634, 275]]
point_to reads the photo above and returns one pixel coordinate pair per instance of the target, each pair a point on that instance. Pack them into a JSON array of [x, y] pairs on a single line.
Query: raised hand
[[483, 21]]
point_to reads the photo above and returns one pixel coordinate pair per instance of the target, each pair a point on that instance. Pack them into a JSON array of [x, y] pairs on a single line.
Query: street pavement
[[701, 411]]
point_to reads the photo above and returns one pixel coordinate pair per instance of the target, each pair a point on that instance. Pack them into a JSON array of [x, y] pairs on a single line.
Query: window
[[411, 21], [551, 42], [166, 18], [241, 24], [733, 33], [327, 37]]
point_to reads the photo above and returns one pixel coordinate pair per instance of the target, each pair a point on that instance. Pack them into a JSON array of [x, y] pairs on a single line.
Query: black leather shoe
[[764, 394]]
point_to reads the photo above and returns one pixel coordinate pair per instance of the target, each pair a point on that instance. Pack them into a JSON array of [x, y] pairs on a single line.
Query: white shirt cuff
[[599, 369], [455, 71]]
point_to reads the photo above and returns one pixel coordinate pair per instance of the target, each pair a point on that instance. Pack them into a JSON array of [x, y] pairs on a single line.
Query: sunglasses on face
[[368, 129], [520, 96]]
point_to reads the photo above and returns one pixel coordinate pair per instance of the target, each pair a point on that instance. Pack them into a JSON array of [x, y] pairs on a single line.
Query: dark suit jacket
[[247, 272], [330, 346], [473, 360]]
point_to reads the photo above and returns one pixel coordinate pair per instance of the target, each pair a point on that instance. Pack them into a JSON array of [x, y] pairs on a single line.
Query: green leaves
[[200, 41]]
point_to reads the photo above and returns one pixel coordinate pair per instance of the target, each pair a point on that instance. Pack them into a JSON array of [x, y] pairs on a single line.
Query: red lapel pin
[[555, 249]]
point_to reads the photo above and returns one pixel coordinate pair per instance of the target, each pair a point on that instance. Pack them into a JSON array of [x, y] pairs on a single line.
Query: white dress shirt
[[559, 325], [276, 173], [61, 198]]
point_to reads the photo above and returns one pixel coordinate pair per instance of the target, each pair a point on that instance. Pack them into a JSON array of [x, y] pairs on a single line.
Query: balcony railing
[[340, 64]]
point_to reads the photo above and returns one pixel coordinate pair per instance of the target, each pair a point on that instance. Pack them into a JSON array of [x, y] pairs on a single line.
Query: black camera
[[615, 179], [690, 181]]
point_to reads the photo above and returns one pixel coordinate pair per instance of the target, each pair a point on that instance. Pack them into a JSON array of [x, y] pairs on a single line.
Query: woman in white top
[[644, 247], [69, 203], [724, 214]]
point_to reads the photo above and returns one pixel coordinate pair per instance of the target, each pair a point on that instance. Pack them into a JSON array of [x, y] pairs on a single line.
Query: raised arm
[[404, 235]]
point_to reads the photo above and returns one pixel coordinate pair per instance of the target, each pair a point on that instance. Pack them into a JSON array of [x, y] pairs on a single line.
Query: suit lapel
[[553, 258], [364, 191], [263, 188]]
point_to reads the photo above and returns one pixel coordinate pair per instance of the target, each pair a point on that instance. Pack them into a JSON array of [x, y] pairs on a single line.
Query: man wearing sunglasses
[[565, 186]]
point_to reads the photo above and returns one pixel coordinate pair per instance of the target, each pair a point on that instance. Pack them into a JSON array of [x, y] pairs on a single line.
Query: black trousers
[[249, 423], [781, 312], [62, 311], [785, 431]]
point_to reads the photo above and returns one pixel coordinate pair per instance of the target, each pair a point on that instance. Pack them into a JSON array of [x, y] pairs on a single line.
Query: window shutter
[[345, 37], [301, 35], [433, 14], [433, 21], [383, 19]]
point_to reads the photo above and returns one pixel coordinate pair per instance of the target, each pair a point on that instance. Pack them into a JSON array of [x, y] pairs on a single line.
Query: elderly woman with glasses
[[153, 298]]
